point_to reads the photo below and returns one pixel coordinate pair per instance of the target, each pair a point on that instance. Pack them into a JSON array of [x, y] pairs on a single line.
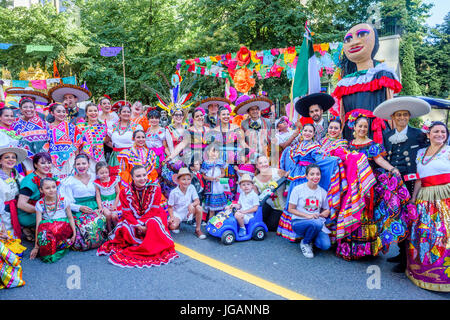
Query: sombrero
[[322, 99], [28, 92], [217, 100], [261, 102], [6, 147], [416, 107], [58, 92], [115, 107]]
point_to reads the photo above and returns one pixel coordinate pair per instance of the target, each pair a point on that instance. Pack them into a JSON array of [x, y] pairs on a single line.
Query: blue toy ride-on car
[[224, 226]]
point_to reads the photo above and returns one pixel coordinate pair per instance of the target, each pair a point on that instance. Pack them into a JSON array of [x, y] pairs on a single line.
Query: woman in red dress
[[141, 238]]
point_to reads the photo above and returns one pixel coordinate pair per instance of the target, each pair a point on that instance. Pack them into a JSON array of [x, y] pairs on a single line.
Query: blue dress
[[295, 159]]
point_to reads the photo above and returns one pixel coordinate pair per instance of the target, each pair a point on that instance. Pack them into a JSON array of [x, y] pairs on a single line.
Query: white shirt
[[110, 123], [248, 201], [73, 188], [308, 200], [282, 137], [180, 201], [125, 140]]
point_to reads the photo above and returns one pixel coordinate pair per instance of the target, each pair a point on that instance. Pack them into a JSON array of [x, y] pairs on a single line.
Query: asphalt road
[[275, 260]]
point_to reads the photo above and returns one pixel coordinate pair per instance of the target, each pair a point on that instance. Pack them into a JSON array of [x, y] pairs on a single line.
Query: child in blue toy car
[[247, 205]]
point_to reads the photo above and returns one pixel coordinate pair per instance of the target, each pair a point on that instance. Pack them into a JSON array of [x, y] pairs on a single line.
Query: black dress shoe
[[397, 259], [400, 268]]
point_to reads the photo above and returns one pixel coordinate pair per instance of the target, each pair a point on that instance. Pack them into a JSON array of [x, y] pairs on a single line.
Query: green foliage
[[409, 81]]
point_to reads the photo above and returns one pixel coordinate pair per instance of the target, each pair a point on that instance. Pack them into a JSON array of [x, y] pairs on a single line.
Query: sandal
[[29, 235]]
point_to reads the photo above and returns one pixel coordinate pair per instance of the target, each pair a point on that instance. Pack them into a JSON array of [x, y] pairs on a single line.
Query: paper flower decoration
[[243, 56], [242, 81]]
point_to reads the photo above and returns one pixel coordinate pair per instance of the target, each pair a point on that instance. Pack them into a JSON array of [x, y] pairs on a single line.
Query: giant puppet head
[[360, 46]]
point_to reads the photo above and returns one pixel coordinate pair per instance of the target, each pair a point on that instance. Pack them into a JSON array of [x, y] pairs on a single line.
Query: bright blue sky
[[438, 12]]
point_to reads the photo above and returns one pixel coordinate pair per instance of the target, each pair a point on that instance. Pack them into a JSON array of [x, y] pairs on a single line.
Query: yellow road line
[[235, 272]]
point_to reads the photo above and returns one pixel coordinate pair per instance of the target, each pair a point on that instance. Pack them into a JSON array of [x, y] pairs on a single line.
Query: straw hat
[[182, 172], [212, 100], [28, 92], [261, 102], [416, 107], [245, 178], [6, 147], [58, 92], [322, 99]]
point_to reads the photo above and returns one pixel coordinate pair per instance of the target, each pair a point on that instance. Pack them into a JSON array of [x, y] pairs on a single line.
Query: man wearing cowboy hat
[[257, 129], [212, 105], [402, 144], [313, 106], [69, 96]]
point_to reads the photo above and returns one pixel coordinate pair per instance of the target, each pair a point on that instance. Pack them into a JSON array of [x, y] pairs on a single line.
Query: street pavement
[[274, 259]]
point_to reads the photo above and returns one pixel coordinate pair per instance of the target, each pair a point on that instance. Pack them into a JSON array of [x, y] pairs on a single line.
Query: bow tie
[[72, 113], [212, 120], [255, 125], [398, 137]]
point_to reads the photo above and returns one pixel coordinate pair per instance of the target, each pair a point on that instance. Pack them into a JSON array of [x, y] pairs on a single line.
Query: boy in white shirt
[[184, 202], [247, 205]]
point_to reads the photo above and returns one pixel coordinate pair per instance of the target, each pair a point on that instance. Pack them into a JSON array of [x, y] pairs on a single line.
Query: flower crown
[[353, 117]]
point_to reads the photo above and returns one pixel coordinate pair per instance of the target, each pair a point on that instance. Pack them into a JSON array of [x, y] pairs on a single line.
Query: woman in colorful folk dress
[[65, 139], [55, 227], [175, 133], [79, 190], [6, 126], [110, 118], [29, 192], [429, 245], [33, 130], [141, 238], [294, 160], [9, 188], [93, 134], [138, 115], [138, 154], [193, 146], [122, 135], [356, 179], [156, 138], [382, 221]]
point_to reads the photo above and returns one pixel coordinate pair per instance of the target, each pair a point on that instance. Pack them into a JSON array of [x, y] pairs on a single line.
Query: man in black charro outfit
[[402, 144]]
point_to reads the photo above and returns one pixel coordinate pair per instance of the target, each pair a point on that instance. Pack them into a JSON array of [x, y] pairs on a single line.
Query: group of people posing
[[120, 178]]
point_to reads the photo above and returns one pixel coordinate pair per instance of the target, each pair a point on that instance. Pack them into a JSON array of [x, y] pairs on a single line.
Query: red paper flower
[[243, 56]]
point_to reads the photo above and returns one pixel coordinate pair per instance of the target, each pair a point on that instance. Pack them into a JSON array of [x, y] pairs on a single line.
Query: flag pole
[[124, 78]]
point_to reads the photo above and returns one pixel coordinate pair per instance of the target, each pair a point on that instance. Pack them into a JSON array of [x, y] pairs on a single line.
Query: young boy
[[247, 205], [184, 202]]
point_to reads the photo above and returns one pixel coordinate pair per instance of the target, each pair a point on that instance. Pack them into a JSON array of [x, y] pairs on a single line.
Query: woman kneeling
[[141, 238], [309, 208]]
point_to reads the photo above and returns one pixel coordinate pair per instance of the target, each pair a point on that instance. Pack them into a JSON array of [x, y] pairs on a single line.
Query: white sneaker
[[176, 230], [306, 250]]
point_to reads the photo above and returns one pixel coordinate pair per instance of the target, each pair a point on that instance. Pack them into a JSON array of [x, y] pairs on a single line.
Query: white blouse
[[73, 188], [439, 165], [124, 140], [110, 123]]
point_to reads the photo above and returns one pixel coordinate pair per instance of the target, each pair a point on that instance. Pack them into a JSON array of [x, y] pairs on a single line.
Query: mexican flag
[[307, 78]]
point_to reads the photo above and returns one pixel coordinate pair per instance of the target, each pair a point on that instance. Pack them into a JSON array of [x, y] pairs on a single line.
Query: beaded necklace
[[431, 157], [54, 209]]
